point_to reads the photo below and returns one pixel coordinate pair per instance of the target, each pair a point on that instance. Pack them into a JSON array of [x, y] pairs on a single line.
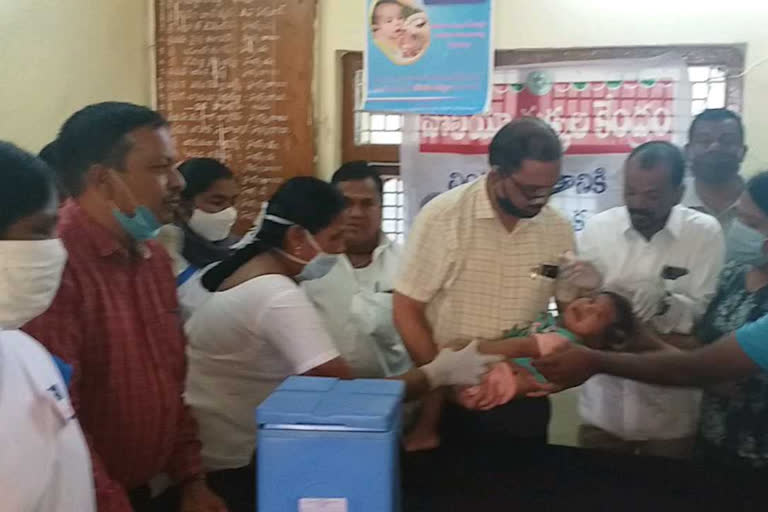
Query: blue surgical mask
[[141, 227], [745, 245], [316, 268]]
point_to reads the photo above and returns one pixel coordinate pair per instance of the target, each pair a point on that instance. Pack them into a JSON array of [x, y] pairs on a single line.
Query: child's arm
[[511, 347]]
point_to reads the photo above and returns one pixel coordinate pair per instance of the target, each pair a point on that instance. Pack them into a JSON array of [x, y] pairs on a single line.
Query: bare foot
[[419, 441]]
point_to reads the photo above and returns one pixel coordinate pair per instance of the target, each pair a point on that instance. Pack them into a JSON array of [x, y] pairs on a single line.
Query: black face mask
[[716, 166], [508, 207]]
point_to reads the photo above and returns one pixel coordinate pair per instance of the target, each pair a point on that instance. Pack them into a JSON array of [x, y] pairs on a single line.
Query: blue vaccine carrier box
[[330, 445]]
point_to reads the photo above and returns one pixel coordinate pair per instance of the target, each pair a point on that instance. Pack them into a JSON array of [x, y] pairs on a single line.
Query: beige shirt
[[476, 277]]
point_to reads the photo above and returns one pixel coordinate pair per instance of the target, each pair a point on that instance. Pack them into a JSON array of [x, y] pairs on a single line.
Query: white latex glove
[[647, 299], [575, 278], [465, 367]]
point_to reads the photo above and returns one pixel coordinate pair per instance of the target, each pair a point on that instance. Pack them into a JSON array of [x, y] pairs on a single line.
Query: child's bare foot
[[420, 440]]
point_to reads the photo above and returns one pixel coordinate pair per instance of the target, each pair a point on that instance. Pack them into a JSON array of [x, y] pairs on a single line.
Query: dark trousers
[[237, 487], [142, 501], [523, 421]]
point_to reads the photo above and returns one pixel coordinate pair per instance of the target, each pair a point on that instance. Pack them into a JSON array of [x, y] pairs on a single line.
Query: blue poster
[[428, 56]]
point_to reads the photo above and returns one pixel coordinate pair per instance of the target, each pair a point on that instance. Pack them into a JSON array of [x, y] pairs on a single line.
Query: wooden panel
[[234, 78]]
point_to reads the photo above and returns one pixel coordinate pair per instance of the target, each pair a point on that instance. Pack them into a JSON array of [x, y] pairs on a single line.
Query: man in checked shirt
[[115, 318]]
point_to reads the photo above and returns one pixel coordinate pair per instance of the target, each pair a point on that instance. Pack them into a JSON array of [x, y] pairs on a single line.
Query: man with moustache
[[355, 298], [715, 151], [667, 258]]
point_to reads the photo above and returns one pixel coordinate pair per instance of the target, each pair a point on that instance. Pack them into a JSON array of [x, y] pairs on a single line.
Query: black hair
[[308, 202], [380, 3], [757, 187], [623, 325], [358, 170], [527, 138], [658, 152], [716, 114], [200, 174], [26, 185], [50, 155], [97, 135]]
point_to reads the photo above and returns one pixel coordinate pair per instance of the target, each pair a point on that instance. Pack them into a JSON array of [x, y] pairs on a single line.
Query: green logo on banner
[[648, 83], [614, 84], [580, 86], [539, 83], [517, 87]]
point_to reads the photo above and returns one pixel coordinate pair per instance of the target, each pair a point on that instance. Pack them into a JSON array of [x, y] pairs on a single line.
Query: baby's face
[[416, 34], [389, 21], [590, 316]]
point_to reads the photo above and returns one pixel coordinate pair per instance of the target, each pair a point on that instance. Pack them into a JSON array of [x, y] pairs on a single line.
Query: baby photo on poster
[[400, 29]]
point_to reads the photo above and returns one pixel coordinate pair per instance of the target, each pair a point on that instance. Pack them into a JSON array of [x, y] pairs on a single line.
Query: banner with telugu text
[[601, 111], [428, 56]]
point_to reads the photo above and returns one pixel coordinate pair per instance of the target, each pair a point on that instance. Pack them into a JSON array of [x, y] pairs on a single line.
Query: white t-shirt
[[45, 464], [243, 342]]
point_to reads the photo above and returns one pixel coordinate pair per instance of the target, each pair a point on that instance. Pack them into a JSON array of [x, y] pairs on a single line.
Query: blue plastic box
[[330, 445]]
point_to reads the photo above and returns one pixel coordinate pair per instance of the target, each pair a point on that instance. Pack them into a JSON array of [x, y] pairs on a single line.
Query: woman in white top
[[44, 462], [258, 327]]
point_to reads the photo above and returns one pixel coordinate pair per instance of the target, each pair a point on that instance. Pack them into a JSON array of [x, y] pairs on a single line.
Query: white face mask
[[30, 274], [319, 266], [213, 226]]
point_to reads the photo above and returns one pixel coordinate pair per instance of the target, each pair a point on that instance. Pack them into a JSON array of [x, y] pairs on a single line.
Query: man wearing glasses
[[470, 272]]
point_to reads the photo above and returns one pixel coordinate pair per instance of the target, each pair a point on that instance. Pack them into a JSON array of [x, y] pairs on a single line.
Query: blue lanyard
[[185, 275]]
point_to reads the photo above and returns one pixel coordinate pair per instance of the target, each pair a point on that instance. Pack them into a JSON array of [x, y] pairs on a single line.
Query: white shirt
[[690, 240], [356, 305], [45, 464], [692, 200], [242, 343]]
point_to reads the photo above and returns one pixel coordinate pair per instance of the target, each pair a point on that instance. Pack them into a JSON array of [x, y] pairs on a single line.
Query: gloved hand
[[648, 298], [465, 367], [575, 278]]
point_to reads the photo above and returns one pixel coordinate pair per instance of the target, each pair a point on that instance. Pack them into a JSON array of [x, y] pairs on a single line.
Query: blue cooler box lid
[[320, 403]]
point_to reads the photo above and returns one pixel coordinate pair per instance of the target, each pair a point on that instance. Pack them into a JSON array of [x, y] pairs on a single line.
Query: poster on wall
[[601, 111], [428, 56]]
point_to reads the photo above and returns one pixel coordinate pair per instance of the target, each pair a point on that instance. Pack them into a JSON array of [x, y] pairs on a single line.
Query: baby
[[603, 321], [388, 22]]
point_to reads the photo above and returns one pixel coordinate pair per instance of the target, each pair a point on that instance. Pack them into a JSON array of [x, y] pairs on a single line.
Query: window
[[714, 73], [393, 219]]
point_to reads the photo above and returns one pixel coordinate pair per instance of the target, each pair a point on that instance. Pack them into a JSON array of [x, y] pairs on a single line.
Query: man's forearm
[[411, 322], [713, 363]]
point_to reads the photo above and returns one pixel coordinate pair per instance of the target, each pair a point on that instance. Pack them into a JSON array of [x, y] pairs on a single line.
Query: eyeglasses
[[531, 192]]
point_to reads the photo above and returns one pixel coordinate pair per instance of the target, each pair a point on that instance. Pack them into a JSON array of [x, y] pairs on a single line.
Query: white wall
[[562, 24], [57, 56]]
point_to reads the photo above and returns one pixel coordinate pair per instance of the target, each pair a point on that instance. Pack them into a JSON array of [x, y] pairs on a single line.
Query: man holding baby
[[471, 270]]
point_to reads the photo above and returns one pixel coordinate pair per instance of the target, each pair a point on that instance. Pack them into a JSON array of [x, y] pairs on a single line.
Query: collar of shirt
[[384, 244], [101, 239], [673, 227], [692, 200]]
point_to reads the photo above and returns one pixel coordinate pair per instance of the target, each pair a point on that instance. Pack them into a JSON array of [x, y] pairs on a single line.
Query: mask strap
[[278, 220]]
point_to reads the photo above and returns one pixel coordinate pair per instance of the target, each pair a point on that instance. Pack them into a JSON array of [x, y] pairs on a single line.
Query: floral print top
[[736, 420]]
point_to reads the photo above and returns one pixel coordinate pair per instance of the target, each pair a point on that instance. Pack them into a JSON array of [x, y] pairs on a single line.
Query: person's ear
[[679, 194], [295, 241], [744, 150], [98, 177]]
